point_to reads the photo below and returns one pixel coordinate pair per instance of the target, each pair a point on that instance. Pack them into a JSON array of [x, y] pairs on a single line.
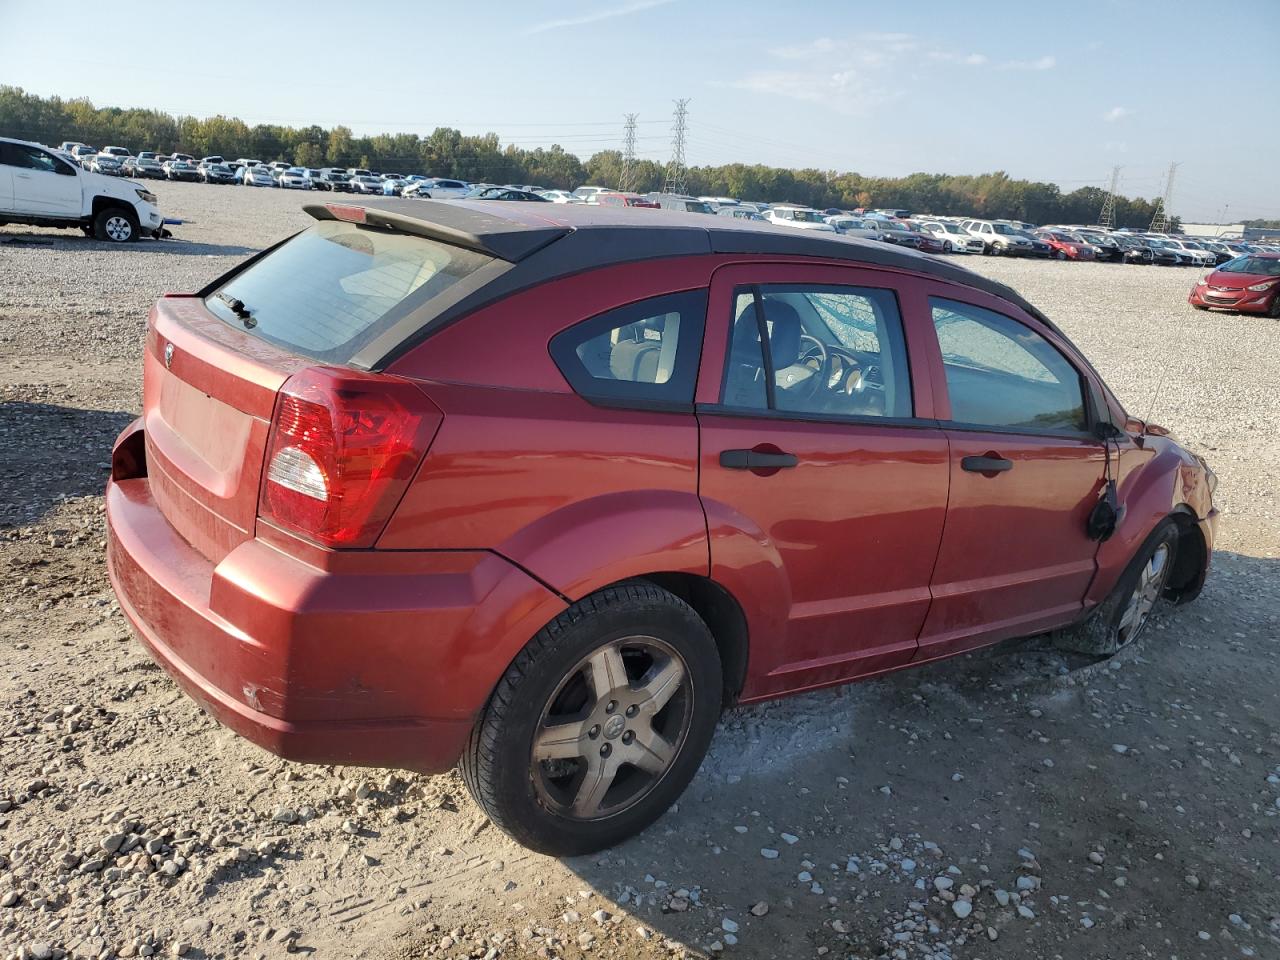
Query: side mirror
[[1106, 430]]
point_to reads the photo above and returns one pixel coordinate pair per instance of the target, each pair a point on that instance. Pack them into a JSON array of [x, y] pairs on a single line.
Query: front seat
[[745, 381]]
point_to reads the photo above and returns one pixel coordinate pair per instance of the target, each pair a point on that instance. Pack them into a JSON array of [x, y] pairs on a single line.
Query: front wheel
[[1122, 617], [1062, 254], [946, 246], [600, 722], [116, 225]]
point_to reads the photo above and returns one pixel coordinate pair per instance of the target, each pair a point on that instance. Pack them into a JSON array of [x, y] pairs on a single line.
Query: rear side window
[[645, 352], [334, 288]]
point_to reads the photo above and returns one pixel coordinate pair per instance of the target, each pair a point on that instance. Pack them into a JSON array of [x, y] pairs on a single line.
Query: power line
[[1107, 218], [677, 172], [626, 182]]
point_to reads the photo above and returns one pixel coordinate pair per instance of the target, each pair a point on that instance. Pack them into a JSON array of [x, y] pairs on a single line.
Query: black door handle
[[756, 460], [986, 464]]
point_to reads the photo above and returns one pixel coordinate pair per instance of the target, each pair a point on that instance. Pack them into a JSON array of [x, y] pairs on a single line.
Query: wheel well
[[722, 614], [108, 203], [1191, 561]]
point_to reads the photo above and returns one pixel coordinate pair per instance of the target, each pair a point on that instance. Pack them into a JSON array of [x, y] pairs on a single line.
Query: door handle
[[987, 464], [756, 460]]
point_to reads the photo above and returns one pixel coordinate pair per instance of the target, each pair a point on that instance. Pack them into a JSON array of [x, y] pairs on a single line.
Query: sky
[[1058, 92]]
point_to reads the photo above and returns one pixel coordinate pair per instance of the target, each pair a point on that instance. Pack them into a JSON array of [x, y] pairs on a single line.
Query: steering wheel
[[816, 358]]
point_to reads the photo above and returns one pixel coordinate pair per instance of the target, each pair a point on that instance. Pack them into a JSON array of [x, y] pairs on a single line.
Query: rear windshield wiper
[[237, 307]]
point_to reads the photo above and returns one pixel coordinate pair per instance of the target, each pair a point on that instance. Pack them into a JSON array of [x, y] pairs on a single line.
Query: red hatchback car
[[1249, 284], [541, 491]]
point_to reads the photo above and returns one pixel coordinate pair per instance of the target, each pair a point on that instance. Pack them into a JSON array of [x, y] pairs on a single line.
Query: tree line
[[450, 153]]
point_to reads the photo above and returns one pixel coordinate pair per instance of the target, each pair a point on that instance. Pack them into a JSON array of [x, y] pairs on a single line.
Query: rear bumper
[[384, 660]]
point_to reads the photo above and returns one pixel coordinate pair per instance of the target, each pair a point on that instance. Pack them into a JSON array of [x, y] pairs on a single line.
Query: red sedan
[[540, 491], [1248, 284], [1067, 246]]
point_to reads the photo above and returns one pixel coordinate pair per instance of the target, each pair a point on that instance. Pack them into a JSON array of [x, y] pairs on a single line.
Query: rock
[[769, 854], [40, 951], [991, 933], [1119, 748], [759, 909], [678, 904], [197, 926], [729, 926], [1192, 881], [1095, 857], [644, 933], [1002, 897], [601, 916], [962, 908], [113, 842], [284, 815], [1086, 922], [790, 838], [1025, 912], [10, 898], [179, 948], [350, 827], [839, 926], [943, 883], [1028, 883]]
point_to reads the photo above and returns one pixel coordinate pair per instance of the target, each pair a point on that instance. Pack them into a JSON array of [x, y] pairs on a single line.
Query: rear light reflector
[[347, 212], [344, 446]]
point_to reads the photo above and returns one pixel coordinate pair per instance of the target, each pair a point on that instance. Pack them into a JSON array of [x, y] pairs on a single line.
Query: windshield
[[334, 288], [1005, 230], [1258, 266]]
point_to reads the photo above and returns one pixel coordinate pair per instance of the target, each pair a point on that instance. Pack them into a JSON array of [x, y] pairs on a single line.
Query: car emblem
[[168, 355]]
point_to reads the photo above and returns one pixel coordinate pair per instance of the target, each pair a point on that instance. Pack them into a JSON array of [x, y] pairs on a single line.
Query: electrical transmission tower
[[676, 170], [1107, 218], [627, 182], [1160, 220]]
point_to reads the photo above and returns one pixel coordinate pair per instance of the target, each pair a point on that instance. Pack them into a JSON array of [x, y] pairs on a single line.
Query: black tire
[[1273, 311], [116, 225], [1103, 633], [1199, 306], [1062, 254], [946, 246], [522, 795]]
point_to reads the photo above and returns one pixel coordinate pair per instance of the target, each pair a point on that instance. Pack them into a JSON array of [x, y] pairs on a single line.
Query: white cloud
[[1117, 113], [964, 59], [606, 14], [845, 91], [1040, 63]]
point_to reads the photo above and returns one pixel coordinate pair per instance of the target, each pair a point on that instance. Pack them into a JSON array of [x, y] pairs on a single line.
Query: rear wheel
[[599, 724], [116, 225], [1123, 616], [1062, 254]]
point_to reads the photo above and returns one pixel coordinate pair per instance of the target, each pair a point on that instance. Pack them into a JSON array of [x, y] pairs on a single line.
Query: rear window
[[334, 288]]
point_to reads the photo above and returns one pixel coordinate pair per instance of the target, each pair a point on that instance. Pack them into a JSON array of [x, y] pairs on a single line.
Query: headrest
[[784, 332]]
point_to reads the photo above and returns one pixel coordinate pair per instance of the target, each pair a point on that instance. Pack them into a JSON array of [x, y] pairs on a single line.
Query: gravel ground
[[1008, 804]]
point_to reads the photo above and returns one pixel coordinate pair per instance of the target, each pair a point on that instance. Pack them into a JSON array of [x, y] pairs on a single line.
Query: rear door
[[822, 476], [1025, 475]]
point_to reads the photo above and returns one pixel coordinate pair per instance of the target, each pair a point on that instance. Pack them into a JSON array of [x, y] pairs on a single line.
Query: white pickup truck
[[42, 188]]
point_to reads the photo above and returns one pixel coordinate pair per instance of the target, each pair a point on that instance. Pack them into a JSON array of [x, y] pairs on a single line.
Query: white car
[[40, 188], [366, 184], [258, 176], [853, 226], [999, 238], [438, 188], [589, 193], [801, 218], [293, 178], [560, 196], [954, 239], [1199, 256]]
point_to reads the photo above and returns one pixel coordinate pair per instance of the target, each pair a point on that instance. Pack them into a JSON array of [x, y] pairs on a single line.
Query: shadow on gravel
[[71, 240], [48, 452]]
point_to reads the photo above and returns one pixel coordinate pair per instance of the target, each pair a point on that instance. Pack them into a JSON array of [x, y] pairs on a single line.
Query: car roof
[[543, 241]]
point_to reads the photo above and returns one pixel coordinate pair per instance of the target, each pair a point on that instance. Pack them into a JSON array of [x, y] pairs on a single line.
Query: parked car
[[800, 218], [107, 165], [589, 193], [182, 170], [951, 236], [365, 183], [1135, 250], [853, 226], [506, 193], [536, 561], [1219, 250], [1104, 247], [215, 159], [141, 167], [257, 176], [1247, 284], [1066, 246], [120, 153], [616, 198], [683, 204], [42, 189], [69, 146], [246, 162], [392, 186], [184, 157], [999, 239], [216, 173], [739, 211], [83, 155], [1187, 257], [561, 196], [292, 178], [438, 188]]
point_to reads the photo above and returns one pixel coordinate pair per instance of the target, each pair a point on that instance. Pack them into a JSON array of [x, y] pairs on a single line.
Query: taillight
[[343, 447]]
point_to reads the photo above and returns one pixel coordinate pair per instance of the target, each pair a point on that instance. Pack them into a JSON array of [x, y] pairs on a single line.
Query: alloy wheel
[[612, 728], [118, 229], [1146, 592]]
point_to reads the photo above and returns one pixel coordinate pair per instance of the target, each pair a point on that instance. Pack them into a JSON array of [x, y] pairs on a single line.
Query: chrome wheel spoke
[[608, 672], [661, 687], [596, 783], [652, 753], [562, 741]]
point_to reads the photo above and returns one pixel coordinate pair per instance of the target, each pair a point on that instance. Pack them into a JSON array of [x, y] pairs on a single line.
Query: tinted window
[[27, 158], [1001, 373], [646, 351], [834, 351], [333, 288]]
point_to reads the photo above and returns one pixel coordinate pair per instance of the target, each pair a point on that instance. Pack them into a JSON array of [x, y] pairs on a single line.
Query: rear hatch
[[216, 361]]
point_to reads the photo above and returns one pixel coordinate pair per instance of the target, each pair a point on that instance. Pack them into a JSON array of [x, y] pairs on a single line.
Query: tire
[[946, 246], [610, 642], [993, 250], [1199, 306], [1062, 254], [1111, 627], [1273, 311], [116, 225]]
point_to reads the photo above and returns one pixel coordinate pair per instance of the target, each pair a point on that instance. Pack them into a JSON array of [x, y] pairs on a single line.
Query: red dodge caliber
[[540, 491]]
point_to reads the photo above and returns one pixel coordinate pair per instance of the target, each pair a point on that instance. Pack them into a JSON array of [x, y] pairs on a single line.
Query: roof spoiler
[[483, 233]]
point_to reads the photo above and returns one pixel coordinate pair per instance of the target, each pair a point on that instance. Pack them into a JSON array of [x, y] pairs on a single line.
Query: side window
[[27, 158], [646, 351], [829, 351], [1001, 373]]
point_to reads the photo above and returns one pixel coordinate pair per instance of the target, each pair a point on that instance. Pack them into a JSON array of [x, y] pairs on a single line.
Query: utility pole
[[676, 170], [1107, 219], [1160, 221], [626, 183]]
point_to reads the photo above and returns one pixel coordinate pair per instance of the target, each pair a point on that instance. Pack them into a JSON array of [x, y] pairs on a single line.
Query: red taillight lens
[[343, 447]]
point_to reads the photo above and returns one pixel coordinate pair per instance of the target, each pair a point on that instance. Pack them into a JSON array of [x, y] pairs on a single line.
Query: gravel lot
[[1010, 804]]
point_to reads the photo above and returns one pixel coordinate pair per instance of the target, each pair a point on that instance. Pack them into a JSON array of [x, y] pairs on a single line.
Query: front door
[[43, 185], [823, 478], [1025, 475]]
